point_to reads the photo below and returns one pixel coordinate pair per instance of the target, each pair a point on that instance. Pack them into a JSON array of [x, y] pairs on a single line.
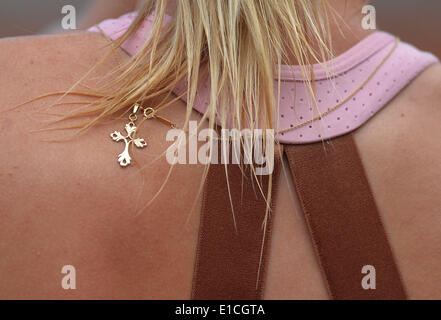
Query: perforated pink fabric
[[349, 71]]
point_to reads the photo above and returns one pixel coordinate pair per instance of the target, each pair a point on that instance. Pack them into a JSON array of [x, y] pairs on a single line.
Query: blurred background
[[414, 21]]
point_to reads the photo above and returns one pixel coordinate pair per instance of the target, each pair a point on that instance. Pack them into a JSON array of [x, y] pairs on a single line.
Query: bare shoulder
[[70, 203], [32, 67], [425, 91], [38, 63], [83, 45], [411, 123], [401, 151], [35, 66]]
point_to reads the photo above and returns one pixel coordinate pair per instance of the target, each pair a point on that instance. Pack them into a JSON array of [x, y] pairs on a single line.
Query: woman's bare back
[[71, 204]]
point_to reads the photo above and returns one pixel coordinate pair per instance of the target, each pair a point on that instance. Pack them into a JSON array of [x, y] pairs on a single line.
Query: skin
[[70, 204]]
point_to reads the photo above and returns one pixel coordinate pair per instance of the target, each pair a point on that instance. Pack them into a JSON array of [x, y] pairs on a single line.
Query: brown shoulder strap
[[343, 219], [230, 262]]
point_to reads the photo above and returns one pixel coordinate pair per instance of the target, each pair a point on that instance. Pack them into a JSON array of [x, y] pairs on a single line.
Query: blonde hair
[[238, 44]]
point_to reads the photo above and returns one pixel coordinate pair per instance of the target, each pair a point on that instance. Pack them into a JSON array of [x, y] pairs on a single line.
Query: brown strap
[[227, 261], [343, 219]]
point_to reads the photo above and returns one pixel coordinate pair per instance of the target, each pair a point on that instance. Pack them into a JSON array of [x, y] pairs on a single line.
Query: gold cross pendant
[[124, 158]]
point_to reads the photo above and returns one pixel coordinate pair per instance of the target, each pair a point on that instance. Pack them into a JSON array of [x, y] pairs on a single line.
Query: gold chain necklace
[[319, 117], [125, 159]]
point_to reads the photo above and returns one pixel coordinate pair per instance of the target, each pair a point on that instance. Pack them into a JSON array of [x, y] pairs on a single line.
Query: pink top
[[349, 71]]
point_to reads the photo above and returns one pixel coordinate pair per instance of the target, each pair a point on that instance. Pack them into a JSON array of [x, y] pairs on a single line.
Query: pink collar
[[349, 71]]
